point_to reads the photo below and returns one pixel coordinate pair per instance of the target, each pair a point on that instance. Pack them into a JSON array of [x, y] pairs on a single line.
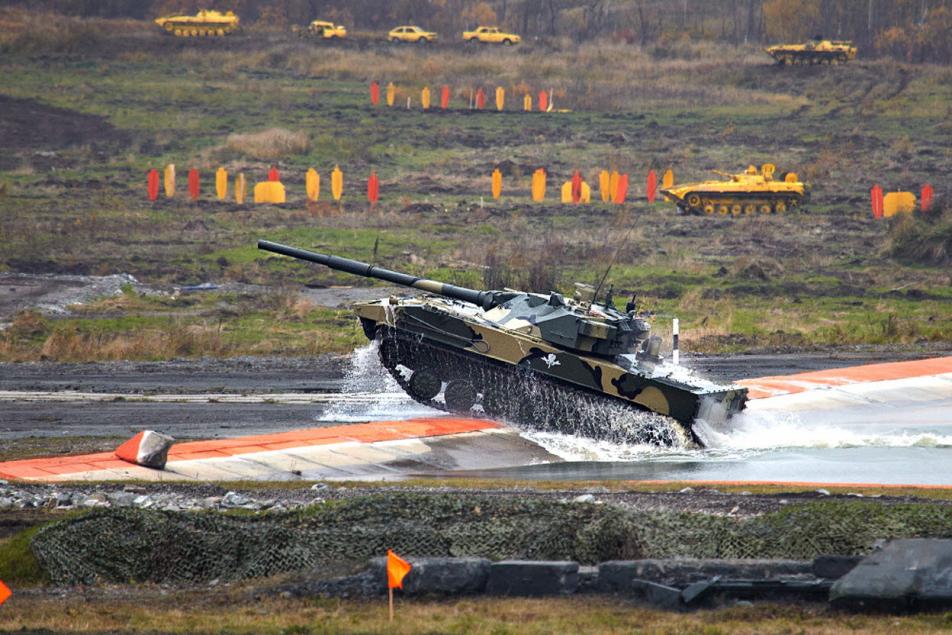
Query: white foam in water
[[368, 376], [745, 435]]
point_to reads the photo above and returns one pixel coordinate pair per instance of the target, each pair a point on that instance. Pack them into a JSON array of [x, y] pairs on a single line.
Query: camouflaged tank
[[540, 361]]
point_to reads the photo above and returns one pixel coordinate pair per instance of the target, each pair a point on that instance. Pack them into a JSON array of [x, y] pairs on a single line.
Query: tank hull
[[202, 24], [471, 367], [817, 52]]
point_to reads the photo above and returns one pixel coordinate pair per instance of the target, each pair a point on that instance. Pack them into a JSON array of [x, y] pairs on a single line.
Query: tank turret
[[541, 361], [594, 328]]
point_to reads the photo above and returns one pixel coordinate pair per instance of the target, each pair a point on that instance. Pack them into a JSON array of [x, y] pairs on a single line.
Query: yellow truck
[[411, 35], [327, 30], [490, 35]]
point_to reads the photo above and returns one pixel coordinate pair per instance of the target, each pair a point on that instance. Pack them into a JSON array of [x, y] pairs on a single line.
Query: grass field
[[83, 123], [229, 614]]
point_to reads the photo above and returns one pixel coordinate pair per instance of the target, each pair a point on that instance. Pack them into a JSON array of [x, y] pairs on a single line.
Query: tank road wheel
[[723, 210], [750, 208], [765, 208], [221, 32], [424, 385], [708, 208], [693, 201], [780, 207], [170, 27], [736, 209], [178, 32], [460, 396]]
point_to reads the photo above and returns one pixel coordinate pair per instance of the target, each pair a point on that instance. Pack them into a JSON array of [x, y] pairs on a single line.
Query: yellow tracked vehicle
[[205, 23], [750, 192], [816, 51]]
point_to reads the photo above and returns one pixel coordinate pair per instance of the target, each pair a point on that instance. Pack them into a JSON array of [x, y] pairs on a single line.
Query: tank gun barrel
[[484, 299]]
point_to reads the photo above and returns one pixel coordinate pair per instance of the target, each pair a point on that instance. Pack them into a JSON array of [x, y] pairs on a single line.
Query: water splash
[[368, 376], [747, 435]]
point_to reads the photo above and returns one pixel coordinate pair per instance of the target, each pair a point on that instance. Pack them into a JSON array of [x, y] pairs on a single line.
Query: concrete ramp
[[377, 450]]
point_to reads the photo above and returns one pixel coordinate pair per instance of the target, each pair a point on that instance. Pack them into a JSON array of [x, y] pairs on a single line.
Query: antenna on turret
[[601, 282]]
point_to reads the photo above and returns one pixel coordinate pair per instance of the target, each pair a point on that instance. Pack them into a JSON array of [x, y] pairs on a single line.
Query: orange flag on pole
[[5, 592], [397, 569]]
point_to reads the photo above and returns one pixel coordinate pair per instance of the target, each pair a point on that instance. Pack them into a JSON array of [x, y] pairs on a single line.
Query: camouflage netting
[[137, 545]]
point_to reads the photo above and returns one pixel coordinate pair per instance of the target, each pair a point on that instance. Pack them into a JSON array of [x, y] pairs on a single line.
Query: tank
[[816, 51], [750, 192], [540, 361], [205, 23]]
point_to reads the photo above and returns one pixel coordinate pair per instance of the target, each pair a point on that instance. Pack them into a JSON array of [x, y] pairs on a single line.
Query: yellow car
[[490, 35], [327, 30], [411, 34]]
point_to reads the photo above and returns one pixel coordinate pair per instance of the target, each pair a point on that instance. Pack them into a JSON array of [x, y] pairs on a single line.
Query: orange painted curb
[[789, 384], [372, 432]]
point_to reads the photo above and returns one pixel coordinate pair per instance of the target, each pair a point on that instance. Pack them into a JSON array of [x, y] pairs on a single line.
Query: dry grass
[[269, 145], [471, 616]]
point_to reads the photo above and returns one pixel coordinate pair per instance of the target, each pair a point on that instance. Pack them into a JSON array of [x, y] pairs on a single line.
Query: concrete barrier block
[[532, 578], [438, 576], [617, 575], [904, 575], [834, 567]]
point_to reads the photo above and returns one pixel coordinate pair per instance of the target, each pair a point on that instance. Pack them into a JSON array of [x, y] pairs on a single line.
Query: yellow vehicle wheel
[[736, 209], [709, 208], [693, 200], [780, 207], [723, 210], [765, 208], [221, 32], [170, 27], [178, 32], [750, 208]]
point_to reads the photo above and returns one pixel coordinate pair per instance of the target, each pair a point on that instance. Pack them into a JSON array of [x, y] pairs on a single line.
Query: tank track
[[743, 204], [524, 398]]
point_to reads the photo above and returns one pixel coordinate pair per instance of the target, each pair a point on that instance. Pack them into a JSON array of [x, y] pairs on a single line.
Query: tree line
[[911, 30]]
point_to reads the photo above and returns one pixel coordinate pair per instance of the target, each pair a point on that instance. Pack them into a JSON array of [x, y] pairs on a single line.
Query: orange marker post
[[397, 569]]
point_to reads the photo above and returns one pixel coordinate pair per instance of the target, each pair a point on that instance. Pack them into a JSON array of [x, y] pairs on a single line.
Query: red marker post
[[273, 174], [576, 187], [480, 99], [153, 184], [543, 101], [373, 188], [925, 197], [876, 200], [652, 185], [374, 93], [444, 97], [194, 186]]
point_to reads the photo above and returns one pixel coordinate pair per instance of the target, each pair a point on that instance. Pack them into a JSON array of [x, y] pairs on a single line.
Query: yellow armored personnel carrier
[[749, 192], [205, 23], [816, 51]]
